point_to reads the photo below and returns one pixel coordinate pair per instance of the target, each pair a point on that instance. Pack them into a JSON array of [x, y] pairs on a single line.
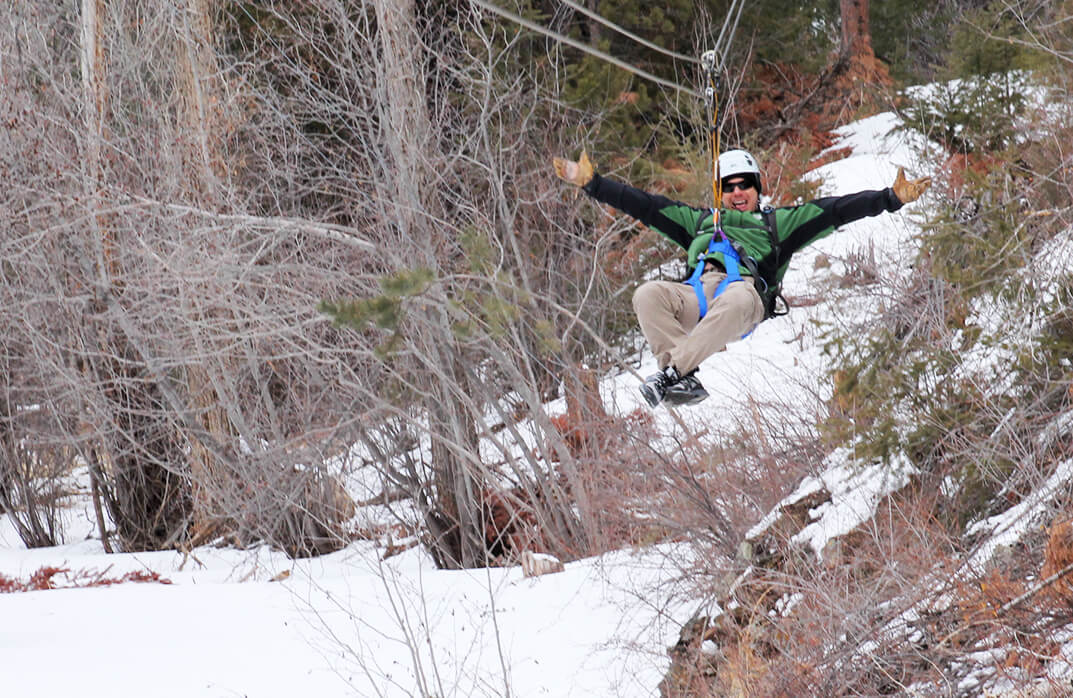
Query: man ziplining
[[685, 323]]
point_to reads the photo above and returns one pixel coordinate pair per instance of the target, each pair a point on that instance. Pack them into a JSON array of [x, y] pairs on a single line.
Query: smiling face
[[740, 194]]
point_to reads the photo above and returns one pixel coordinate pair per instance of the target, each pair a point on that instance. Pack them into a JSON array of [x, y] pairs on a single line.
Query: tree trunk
[[141, 452], [94, 93], [858, 69], [405, 121], [201, 99], [201, 96], [856, 34], [453, 511]]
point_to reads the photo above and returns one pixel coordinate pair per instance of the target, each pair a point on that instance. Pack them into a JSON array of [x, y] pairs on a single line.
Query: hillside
[[254, 622], [319, 374]]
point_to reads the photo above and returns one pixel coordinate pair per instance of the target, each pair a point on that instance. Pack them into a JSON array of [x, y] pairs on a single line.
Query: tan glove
[[909, 190], [577, 173]]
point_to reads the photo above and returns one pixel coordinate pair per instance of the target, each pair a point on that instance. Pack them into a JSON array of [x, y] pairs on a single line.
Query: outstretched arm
[[846, 209], [674, 220], [802, 225]]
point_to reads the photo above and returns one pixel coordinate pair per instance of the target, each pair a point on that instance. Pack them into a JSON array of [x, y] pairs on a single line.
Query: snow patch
[[1007, 528], [855, 494]]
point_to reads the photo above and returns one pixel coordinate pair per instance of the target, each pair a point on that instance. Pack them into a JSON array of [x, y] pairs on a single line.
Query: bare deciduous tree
[[204, 200]]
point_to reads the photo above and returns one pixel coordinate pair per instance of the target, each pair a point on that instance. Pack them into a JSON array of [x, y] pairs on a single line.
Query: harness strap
[[731, 262], [772, 293]]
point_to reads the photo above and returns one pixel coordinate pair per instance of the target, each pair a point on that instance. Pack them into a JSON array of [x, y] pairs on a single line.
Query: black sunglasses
[[743, 185]]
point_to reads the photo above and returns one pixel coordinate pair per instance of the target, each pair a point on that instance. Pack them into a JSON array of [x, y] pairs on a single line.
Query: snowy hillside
[[233, 622]]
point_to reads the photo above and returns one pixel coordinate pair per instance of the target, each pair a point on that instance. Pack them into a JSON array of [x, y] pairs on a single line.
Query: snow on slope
[[344, 624]]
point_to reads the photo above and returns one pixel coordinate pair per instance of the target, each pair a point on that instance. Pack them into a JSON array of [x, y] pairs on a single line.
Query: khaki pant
[[668, 311]]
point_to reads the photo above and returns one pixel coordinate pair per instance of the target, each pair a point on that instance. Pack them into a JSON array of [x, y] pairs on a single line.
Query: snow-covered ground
[[340, 625], [254, 623]]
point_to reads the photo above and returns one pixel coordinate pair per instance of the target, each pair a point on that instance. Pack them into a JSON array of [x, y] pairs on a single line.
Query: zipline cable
[[720, 49], [713, 63], [583, 47], [644, 42]]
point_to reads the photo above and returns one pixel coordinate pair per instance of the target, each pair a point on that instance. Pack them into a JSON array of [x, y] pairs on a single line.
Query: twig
[[1036, 589], [331, 231], [94, 476], [385, 497]]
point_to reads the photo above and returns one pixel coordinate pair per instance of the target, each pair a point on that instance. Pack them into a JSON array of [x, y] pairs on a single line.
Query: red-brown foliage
[[46, 578], [1057, 557], [960, 168], [511, 525], [588, 437], [800, 110]]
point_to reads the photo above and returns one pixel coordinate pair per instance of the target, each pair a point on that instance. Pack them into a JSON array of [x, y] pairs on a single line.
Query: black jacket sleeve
[[819, 217], [650, 209]]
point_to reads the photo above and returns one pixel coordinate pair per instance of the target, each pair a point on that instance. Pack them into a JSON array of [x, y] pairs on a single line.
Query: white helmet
[[739, 163]]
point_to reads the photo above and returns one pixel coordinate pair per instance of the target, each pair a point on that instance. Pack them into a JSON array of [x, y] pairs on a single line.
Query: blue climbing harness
[[731, 261]]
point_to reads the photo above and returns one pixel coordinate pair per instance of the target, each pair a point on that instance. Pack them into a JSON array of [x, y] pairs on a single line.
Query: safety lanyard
[[718, 244]]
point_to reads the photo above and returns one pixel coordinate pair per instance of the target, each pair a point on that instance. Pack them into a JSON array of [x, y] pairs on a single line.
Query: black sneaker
[[654, 389], [687, 391]]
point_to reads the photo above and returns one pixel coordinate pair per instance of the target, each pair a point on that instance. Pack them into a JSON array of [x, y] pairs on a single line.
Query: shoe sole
[[685, 401], [650, 396]]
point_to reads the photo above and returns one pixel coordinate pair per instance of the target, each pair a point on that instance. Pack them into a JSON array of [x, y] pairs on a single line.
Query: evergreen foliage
[[971, 115], [934, 381], [914, 38], [789, 33], [989, 41]]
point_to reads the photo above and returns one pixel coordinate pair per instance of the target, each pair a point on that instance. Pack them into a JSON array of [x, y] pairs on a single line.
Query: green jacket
[[796, 226]]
